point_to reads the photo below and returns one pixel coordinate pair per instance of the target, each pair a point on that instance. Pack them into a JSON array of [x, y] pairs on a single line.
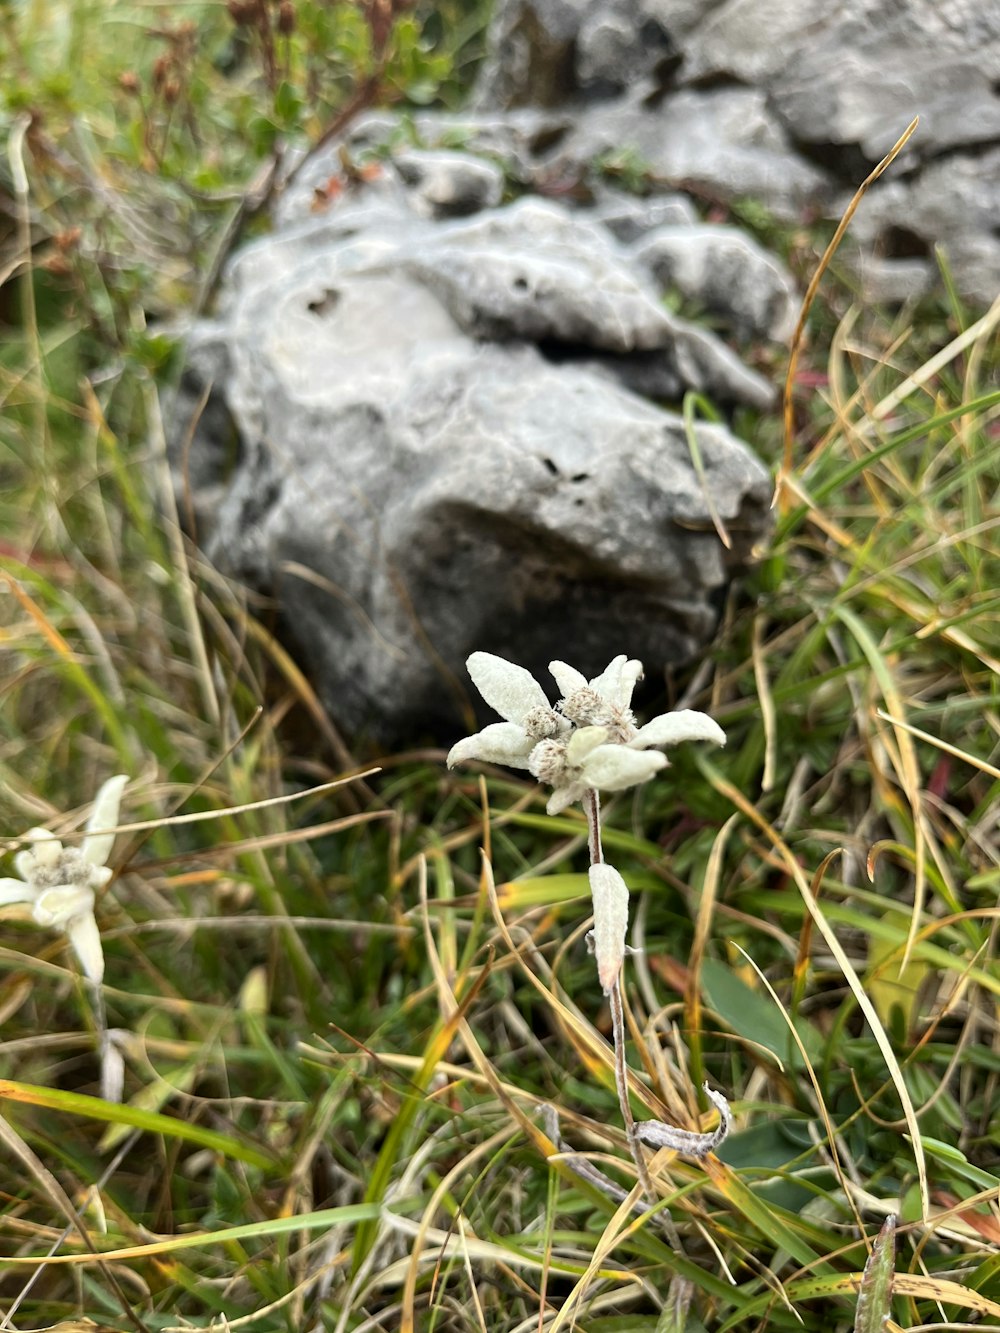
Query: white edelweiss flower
[[514, 693], [586, 762], [60, 882], [606, 701]]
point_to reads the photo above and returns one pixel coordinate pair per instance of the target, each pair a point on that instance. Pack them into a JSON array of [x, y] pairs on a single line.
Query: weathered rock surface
[[449, 184], [437, 452], [729, 273], [791, 104], [629, 217]]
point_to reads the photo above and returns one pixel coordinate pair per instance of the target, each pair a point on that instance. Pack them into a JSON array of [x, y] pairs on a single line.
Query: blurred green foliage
[[147, 123]]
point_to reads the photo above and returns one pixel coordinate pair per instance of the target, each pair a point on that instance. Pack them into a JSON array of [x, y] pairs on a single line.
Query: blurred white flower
[[514, 693], [60, 882]]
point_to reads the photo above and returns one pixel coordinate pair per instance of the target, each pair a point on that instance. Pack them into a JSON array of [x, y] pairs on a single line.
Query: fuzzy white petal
[[583, 742], [15, 891], [46, 849], [96, 846], [617, 681], [25, 863], [610, 895], [566, 796], [567, 678], [86, 941], [673, 728], [510, 690], [501, 743], [615, 767], [55, 907]]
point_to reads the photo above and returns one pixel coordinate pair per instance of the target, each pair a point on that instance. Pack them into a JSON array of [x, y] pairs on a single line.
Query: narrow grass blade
[[95, 1108], [919, 1286], [693, 401], [324, 1220], [810, 296]]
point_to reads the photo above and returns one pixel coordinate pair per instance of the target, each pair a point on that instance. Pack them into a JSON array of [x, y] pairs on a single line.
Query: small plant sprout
[[60, 882], [875, 1296], [589, 742]]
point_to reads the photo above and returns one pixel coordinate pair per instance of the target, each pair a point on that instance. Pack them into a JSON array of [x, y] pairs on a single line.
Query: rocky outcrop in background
[[789, 103], [440, 445], [440, 411]]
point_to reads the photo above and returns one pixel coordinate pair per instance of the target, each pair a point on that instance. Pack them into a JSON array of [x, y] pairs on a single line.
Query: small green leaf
[[287, 105], [960, 1164]]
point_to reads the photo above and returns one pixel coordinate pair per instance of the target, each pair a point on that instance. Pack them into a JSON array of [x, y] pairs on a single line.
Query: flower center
[[586, 708], [69, 869], [547, 762], [540, 722]]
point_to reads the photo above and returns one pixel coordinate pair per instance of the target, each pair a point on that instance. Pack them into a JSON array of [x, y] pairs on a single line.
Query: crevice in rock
[[210, 449], [846, 161], [547, 138], [896, 242], [714, 80], [325, 304], [551, 73]]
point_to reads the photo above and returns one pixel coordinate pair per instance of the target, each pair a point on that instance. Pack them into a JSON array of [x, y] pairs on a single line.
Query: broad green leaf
[[753, 1015]]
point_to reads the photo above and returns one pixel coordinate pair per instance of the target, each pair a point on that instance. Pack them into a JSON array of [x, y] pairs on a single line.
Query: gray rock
[[953, 202], [543, 52], [620, 43], [722, 144], [396, 151], [729, 273], [535, 271], [409, 490], [777, 101], [893, 281], [867, 99], [630, 216], [532, 271], [531, 56], [517, 139], [449, 184], [856, 72], [408, 500]]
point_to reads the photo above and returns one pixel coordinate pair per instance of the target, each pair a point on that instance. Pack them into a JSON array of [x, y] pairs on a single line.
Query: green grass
[[337, 1039]]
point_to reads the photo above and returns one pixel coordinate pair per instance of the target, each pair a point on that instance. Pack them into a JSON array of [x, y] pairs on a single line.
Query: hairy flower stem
[[621, 1083], [592, 805]]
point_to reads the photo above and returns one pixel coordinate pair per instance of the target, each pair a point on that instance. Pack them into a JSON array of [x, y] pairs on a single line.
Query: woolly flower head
[[588, 741]]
